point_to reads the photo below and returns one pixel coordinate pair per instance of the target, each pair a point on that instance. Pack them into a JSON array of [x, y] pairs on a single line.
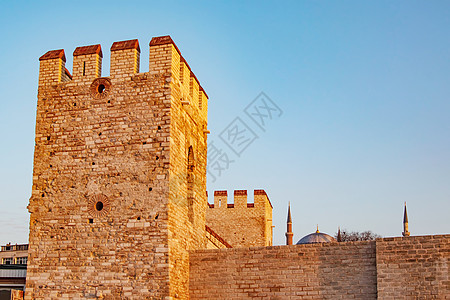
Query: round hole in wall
[[99, 205], [101, 88]]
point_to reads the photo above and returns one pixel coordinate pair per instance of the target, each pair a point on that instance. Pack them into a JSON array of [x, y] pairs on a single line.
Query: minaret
[[289, 233], [405, 223], [339, 237]]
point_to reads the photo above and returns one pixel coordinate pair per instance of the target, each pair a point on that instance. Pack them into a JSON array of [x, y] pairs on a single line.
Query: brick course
[[316, 271], [389, 268], [415, 267]]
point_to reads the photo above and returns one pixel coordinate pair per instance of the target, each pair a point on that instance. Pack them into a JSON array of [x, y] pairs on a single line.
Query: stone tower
[[119, 176]]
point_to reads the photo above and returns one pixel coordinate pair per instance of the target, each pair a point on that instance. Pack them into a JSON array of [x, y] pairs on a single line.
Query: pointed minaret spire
[[339, 237], [405, 223], [289, 233]]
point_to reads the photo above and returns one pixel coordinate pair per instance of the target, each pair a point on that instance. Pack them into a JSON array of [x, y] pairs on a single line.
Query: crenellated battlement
[[164, 59], [242, 224], [87, 63], [52, 68], [125, 58], [240, 200]]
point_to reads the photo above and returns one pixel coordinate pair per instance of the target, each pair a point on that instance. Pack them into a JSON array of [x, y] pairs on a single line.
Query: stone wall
[[390, 268], [415, 267], [241, 224], [325, 271]]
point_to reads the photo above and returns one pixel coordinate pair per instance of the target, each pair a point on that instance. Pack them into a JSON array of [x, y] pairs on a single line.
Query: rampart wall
[[390, 268], [241, 224], [414, 267]]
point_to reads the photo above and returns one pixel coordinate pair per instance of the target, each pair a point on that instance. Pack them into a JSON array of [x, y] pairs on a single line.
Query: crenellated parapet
[[241, 223], [52, 68], [87, 63], [125, 58], [261, 200], [164, 59]]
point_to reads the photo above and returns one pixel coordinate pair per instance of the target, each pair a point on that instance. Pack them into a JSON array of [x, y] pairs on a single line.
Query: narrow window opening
[[84, 68], [191, 164], [91, 221]]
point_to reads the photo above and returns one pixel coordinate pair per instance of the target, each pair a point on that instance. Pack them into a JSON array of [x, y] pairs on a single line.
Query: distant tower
[[405, 223], [289, 233], [339, 237]]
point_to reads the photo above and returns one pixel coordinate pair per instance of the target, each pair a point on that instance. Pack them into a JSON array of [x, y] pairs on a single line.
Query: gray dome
[[316, 237]]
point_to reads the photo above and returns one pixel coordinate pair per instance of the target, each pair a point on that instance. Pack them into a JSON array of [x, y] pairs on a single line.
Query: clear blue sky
[[364, 87]]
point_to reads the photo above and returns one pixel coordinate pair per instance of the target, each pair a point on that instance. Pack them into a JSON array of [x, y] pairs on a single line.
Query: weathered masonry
[[240, 223], [390, 268], [119, 176]]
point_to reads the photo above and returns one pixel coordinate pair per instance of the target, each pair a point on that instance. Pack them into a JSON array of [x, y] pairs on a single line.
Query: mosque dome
[[316, 237]]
